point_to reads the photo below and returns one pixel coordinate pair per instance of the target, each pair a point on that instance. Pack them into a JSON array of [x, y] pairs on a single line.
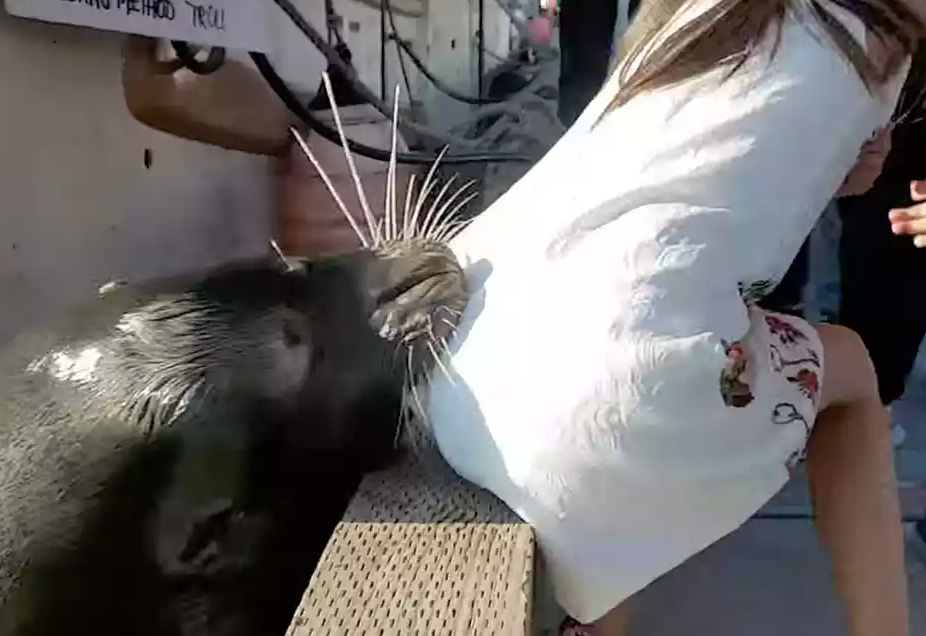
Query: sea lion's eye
[[291, 337], [295, 329]]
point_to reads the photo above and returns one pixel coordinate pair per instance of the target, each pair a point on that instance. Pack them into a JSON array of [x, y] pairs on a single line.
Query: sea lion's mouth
[[421, 292]]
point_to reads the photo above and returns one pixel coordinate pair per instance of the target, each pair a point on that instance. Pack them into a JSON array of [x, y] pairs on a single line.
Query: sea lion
[[174, 454]]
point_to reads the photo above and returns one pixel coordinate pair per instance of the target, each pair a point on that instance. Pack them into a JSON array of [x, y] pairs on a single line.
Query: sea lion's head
[[375, 321], [177, 452]]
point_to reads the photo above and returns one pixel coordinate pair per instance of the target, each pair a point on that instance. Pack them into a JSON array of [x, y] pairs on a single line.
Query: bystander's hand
[[911, 221], [540, 30], [869, 165]]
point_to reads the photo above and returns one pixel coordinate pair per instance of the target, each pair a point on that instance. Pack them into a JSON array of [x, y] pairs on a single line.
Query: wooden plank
[[421, 552]]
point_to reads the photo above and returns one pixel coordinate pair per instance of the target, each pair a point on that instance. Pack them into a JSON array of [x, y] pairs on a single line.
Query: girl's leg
[[850, 465], [614, 623]]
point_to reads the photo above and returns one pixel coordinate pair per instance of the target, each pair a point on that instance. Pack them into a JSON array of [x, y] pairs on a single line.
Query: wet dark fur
[[189, 484]]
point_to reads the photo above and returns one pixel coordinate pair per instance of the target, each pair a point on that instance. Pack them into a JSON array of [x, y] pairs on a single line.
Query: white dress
[[612, 381]]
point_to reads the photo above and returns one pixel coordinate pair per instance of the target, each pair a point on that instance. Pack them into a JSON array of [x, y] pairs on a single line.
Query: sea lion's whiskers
[[455, 207], [423, 193], [412, 413], [345, 146], [413, 389], [406, 216], [397, 438], [434, 206], [445, 215], [279, 252], [330, 187], [378, 235], [392, 220], [439, 362], [450, 210], [399, 347], [451, 229], [443, 350]]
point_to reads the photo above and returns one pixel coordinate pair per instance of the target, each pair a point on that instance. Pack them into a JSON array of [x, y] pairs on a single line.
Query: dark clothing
[[786, 298], [586, 34], [883, 275]]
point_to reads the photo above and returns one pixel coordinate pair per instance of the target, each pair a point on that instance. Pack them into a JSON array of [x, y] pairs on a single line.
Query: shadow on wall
[[90, 195]]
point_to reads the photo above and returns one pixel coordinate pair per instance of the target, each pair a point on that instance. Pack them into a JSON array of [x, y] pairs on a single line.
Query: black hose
[[187, 57], [480, 41], [460, 97], [420, 65], [332, 57], [334, 60], [278, 85], [382, 53]]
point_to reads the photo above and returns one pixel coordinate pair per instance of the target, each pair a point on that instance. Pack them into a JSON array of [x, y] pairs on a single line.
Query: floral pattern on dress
[[809, 384], [786, 414], [780, 362], [792, 355], [795, 459], [752, 293], [787, 334], [734, 385]]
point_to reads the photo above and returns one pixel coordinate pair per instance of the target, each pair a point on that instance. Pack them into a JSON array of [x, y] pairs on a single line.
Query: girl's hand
[[869, 165], [911, 221]]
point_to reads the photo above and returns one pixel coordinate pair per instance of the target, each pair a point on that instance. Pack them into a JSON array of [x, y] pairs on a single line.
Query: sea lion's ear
[[294, 266], [287, 263], [197, 525], [111, 286]]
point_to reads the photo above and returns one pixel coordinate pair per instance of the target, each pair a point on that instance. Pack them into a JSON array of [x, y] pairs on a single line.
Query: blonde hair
[[728, 33]]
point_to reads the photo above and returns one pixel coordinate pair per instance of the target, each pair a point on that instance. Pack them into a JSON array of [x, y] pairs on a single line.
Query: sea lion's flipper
[[202, 526]]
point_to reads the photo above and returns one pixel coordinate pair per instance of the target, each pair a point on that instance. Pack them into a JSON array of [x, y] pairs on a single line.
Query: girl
[[614, 380]]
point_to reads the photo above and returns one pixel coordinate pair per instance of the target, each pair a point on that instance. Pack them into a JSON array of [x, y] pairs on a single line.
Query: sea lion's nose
[[418, 291], [410, 273]]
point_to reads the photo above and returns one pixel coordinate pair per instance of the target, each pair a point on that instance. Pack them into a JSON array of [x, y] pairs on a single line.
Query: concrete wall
[[78, 206]]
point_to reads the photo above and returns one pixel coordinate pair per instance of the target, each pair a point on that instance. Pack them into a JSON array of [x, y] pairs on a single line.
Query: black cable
[[480, 41], [405, 78], [329, 27], [424, 70], [350, 75], [382, 53], [278, 85], [187, 56], [332, 57], [460, 97]]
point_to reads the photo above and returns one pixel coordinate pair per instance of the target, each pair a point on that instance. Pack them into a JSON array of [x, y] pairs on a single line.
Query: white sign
[[238, 24]]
